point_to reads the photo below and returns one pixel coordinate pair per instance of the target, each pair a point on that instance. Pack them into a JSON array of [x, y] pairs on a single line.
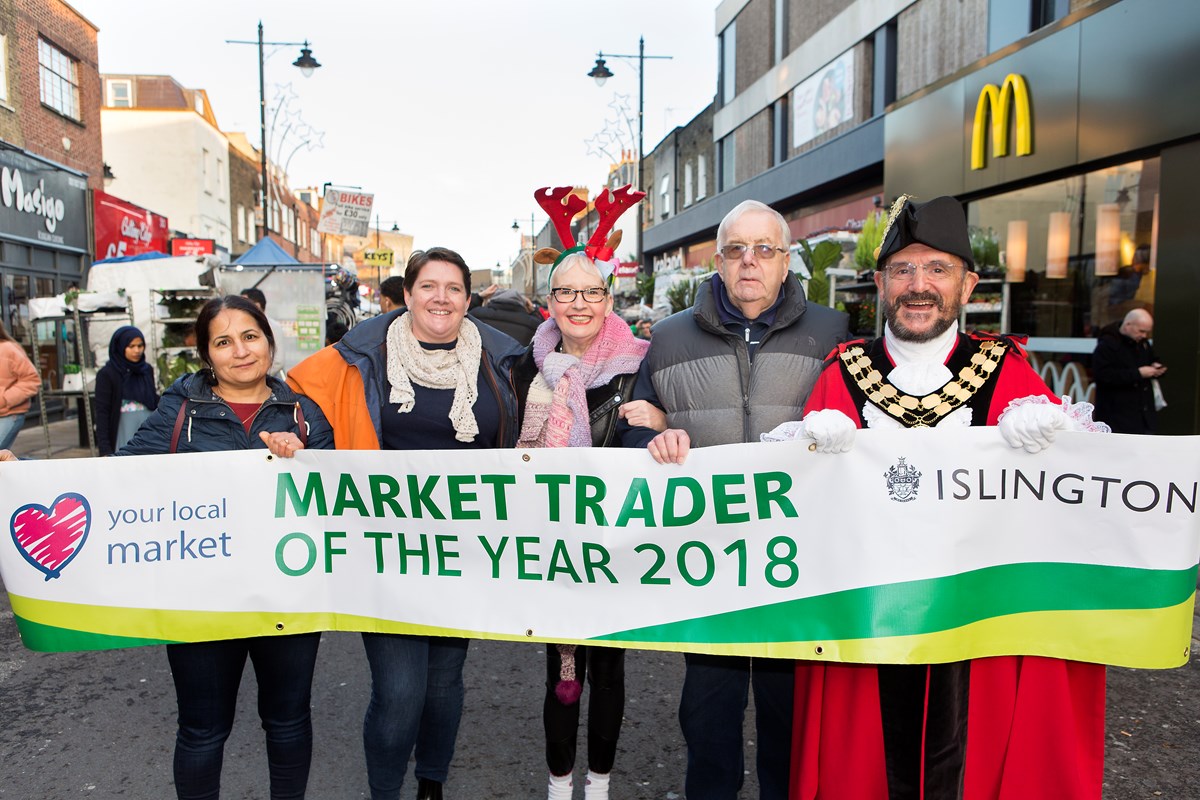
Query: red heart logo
[[49, 538]]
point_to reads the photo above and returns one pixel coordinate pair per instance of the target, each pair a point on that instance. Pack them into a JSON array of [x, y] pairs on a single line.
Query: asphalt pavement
[[101, 724]]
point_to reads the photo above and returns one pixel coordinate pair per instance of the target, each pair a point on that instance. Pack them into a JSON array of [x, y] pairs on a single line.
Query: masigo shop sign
[[41, 203], [123, 229]]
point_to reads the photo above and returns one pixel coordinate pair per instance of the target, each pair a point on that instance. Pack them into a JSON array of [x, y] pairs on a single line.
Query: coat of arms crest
[[903, 480]]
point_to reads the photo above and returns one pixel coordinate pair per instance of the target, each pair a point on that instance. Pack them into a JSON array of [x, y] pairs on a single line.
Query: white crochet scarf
[[458, 369]]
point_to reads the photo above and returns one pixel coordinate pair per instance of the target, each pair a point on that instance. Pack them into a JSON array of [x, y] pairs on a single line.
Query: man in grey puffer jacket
[[738, 363]]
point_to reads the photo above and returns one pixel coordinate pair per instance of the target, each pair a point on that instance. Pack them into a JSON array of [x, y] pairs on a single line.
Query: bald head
[[1138, 325]]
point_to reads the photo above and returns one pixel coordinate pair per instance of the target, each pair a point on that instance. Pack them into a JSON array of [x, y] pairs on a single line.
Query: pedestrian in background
[[125, 391], [234, 404], [391, 294], [19, 381], [1126, 373], [511, 312], [425, 377], [573, 384]]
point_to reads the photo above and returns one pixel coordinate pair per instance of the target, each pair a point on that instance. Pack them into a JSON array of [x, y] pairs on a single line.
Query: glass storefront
[[1076, 254]]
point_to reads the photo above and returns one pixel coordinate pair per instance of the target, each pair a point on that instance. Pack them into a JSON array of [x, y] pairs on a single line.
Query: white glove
[[832, 430], [1033, 426]]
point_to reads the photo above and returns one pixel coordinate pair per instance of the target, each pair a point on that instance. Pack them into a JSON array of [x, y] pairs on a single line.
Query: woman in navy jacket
[[235, 405]]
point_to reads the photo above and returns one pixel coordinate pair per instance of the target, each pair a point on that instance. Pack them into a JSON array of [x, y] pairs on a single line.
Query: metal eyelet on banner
[[525, 457], [529, 631], [820, 650], [278, 626], [812, 448]]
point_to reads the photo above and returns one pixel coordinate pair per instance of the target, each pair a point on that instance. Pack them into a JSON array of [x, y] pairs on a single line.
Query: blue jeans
[[207, 676], [416, 702], [712, 709], [10, 426]]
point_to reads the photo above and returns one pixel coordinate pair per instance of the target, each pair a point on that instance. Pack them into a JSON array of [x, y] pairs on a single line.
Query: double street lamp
[[307, 64], [601, 73]]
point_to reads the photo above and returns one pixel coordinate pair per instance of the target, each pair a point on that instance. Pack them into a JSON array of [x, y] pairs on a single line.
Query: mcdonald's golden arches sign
[[997, 101]]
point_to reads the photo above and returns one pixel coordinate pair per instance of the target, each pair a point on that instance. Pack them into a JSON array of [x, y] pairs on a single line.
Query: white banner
[[916, 545]]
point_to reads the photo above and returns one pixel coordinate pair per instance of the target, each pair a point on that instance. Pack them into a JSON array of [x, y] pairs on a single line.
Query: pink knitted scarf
[[563, 422]]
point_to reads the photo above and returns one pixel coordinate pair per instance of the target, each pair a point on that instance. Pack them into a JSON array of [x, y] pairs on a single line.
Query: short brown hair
[[420, 258]]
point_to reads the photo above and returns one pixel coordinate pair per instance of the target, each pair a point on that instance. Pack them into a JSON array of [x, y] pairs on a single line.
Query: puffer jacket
[[211, 425], [348, 380], [701, 373]]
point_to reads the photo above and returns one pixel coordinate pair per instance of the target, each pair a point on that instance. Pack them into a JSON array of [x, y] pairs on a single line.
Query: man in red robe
[[1002, 728]]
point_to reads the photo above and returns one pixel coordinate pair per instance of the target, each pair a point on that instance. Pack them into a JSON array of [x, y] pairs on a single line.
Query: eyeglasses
[[593, 294], [935, 271], [763, 252]]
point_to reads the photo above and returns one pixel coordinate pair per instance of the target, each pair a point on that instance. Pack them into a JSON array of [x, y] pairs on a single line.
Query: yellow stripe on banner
[[1139, 638]]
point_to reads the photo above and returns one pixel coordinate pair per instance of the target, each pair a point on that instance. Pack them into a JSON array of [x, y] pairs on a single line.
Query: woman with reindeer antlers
[[572, 386]]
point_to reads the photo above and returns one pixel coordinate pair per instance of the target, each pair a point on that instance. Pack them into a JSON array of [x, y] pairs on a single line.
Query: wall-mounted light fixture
[[1058, 244], [1015, 249], [1108, 239]]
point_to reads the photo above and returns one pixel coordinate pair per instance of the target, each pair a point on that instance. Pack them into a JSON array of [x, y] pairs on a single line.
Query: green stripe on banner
[[908, 609], [51, 639]]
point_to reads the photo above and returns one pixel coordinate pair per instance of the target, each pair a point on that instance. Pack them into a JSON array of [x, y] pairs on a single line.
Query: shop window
[[58, 80], [1085, 256]]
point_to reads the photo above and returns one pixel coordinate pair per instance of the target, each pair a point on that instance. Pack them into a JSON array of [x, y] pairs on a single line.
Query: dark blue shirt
[[428, 426]]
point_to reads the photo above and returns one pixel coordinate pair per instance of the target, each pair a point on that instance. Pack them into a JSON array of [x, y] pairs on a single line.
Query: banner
[[123, 229], [916, 546], [346, 213]]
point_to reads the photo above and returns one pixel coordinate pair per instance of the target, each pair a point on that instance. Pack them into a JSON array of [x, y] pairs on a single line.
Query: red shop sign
[[123, 229], [192, 247]]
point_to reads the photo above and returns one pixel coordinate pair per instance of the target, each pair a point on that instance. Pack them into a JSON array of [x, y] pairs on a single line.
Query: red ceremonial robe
[[1034, 726]]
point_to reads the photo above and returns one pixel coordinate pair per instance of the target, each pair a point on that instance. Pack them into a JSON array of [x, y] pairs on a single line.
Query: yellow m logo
[[998, 100]]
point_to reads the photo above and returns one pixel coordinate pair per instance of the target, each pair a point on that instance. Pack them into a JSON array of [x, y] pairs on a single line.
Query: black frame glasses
[[592, 294]]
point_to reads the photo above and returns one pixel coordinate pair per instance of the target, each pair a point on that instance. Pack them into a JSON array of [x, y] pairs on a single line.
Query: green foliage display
[[818, 259], [985, 248], [869, 239], [645, 288], [682, 294]]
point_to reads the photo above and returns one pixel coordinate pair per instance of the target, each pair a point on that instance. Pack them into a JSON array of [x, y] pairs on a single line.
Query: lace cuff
[[1078, 414]]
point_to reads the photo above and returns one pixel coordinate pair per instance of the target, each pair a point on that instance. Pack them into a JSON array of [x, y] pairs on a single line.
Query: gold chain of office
[[926, 411]]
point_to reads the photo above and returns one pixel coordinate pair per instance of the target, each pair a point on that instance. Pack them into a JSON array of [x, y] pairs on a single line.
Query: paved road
[[101, 725]]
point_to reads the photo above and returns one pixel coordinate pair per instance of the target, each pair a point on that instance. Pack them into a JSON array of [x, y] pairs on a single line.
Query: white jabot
[[920, 369]]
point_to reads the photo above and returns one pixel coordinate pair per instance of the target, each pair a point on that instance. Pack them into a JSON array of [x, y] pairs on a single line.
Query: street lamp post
[[531, 280], [307, 64], [601, 73]]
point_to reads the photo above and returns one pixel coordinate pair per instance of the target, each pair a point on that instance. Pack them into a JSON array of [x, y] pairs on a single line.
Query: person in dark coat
[[125, 390], [234, 404], [509, 311], [1124, 367]]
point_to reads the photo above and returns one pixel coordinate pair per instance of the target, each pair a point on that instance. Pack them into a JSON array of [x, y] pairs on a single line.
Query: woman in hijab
[[125, 391]]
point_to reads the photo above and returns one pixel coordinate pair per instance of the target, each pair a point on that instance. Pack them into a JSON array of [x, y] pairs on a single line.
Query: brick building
[[50, 156]]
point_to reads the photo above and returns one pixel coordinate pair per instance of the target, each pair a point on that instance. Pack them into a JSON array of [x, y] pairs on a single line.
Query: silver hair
[[573, 261], [745, 207]]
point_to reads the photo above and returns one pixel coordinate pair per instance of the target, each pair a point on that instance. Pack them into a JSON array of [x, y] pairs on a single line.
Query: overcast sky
[[452, 112]]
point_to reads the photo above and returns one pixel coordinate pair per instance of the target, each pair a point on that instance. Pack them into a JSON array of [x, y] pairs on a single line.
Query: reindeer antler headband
[[562, 205]]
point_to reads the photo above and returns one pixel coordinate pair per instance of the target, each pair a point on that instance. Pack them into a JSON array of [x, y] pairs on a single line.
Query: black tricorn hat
[[940, 224]]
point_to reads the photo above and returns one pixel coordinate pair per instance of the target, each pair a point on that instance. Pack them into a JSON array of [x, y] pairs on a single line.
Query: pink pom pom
[[568, 692]]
